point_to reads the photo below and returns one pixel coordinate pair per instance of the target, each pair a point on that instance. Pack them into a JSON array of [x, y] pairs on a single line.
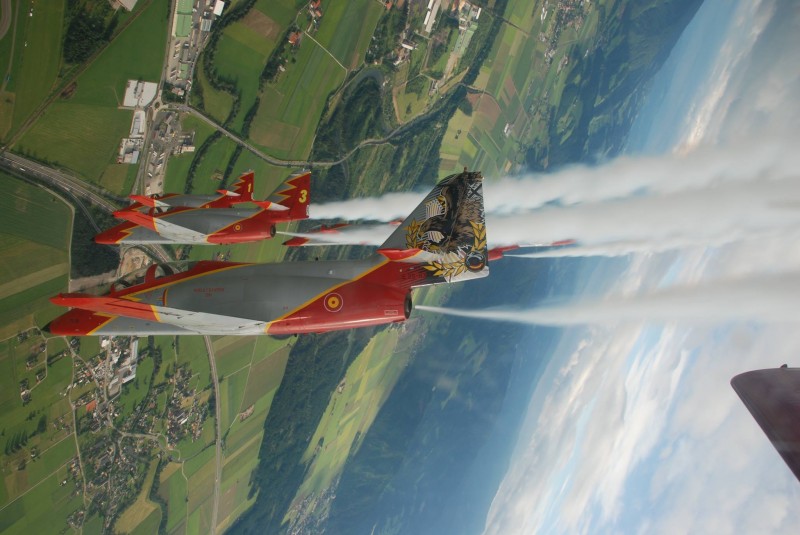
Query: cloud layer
[[634, 428]]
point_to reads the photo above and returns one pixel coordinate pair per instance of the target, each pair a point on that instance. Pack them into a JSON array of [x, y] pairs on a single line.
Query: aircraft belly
[[144, 235], [250, 298], [207, 221], [192, 201]]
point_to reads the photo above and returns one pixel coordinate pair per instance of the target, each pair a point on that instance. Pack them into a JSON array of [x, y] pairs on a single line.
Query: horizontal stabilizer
[[144, 200], [498, 252], [228, 193]]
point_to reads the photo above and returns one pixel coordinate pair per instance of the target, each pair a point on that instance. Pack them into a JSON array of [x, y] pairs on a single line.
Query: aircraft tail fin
[[294, 194], [446, 233], [243, 188]]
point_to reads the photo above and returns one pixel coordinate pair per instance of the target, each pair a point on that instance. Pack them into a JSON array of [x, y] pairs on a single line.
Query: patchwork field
[[291, 108], [142, 514], [522, 93], [30, 484], [250, 393], [34, 241], [83, 132]]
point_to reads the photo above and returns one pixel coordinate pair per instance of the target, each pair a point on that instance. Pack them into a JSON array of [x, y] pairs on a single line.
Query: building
[[139, 94]]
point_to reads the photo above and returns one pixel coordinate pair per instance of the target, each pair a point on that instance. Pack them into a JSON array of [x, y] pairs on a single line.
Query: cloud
[[710, 216], [635, 428], [766, 298]]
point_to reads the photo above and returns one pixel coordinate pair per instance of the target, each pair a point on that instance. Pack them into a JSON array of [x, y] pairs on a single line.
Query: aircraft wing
[[94, 315], [130, 233], [773, 396], [343, 234], [192, 226]]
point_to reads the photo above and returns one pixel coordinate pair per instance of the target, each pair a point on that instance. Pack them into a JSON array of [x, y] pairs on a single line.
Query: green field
[[346, 28], [34, 245], [37, 55], [192, 352], [210, 170], [21, 472], [178, 166], [46, 506], [83, 132], [241, 55], [352, 409], [216, 104], [291, 107], [173, 490], [142, 514]]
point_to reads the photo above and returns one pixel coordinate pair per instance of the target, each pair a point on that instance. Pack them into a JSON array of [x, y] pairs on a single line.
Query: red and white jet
[[228, 217], [442, 241]]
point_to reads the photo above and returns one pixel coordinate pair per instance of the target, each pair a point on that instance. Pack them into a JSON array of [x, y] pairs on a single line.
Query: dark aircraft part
[[272, 231], [408, 305], [773, 398]]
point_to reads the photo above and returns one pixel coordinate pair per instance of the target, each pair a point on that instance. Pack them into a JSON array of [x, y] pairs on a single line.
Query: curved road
[[62, 180]]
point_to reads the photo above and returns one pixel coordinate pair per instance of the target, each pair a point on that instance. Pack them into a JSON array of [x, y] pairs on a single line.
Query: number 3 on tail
[[303, 196]]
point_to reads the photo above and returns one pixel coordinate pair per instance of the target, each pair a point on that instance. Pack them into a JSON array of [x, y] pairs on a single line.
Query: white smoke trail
[[719, 214], [702, 168], [771, 299], [711, 216], [386, 208], [352, 235]]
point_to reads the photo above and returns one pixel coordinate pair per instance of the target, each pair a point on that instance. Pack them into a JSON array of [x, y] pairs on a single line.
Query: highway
[[75, 188], [218, 441], [62, 180]]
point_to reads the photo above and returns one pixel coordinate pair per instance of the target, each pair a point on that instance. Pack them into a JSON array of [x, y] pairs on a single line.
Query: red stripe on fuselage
[[375, 298], [256, 227], [115, 235]]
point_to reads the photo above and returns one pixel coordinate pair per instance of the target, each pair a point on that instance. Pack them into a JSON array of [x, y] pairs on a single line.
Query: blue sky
[[633, 427]]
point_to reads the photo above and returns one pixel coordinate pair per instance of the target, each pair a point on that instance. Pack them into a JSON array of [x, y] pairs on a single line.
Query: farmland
[[31, 491], [83, 131], [251, 370], [35, 64], [34, 244], [292, 106]]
